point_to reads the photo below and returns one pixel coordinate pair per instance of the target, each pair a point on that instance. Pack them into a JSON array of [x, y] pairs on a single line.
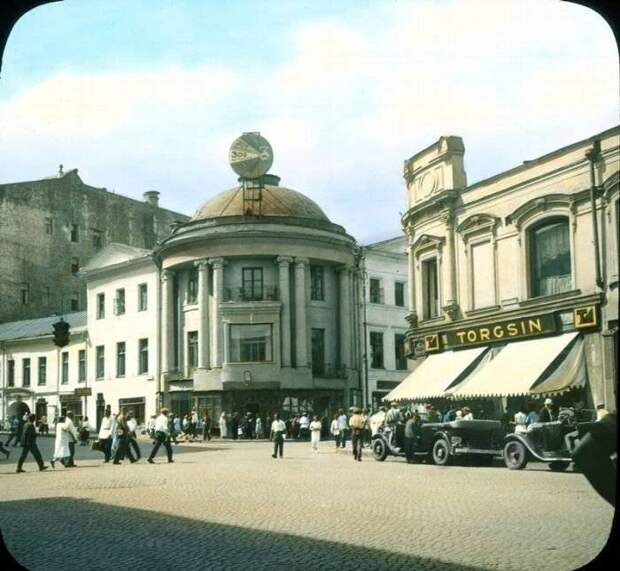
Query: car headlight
[[456, 440]]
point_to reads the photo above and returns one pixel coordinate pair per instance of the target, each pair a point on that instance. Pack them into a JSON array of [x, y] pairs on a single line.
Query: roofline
[[80, 330], [89, 274], [386, 241]]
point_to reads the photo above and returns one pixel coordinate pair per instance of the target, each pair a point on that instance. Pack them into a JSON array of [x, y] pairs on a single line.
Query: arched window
[[550, 262]]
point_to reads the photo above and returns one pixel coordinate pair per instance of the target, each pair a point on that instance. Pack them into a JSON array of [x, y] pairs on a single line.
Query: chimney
[[151, 197]]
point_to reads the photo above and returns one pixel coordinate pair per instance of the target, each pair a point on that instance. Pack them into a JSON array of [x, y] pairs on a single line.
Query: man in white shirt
[[343, 426], [162, 436], [304, 427], [132, 442], [278, 429], [105, 435], [467, 413], [73, 438]]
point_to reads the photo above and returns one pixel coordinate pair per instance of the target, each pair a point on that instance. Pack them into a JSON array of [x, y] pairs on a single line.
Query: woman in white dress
[[223, 427], [61, 443], [315, 433]]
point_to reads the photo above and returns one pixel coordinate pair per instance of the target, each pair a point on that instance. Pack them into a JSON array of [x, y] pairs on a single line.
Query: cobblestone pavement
[[231, 506]]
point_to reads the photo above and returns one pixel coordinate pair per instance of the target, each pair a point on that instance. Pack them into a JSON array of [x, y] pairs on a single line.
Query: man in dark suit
[[29, 443], [547, 414]]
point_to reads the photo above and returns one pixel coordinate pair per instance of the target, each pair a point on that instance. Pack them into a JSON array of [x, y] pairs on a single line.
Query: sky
[[149, 94]]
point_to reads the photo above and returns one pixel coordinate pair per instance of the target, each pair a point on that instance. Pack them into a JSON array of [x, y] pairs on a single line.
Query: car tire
[[441, 452], [558, 466], [515, 455], [379, 450]]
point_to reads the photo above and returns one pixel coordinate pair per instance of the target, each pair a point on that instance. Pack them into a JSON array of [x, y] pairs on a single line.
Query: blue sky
[[149, 94]]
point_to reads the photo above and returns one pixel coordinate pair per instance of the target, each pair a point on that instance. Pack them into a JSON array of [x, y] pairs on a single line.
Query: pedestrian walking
[[304, 427], [132, 437], [122, 433], [335, 430], [29, 444], [162, 436], [357, 424], [278, 428], [342, 427], [61, 445], [315, 433], [206, 427], [15, 434], [105, 435], [73, 438], [223, 425]]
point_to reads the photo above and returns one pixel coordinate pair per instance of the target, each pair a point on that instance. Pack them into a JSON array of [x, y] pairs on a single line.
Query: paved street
[[231, 506]]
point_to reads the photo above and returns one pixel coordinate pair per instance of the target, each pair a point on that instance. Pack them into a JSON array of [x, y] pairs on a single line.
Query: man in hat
[[547, 414], [357, 423], [29, 443], [393, 416], [467, 413], [162, 436]]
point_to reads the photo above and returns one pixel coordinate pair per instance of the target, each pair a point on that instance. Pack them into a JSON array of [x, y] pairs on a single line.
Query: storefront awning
[[435, 374], [516, 368], [569, 374]]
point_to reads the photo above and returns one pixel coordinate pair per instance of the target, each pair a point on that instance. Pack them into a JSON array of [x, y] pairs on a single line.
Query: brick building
[[50, 228]]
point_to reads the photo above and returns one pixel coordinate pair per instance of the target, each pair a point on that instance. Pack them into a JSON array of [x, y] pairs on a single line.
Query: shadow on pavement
[[70, 534]]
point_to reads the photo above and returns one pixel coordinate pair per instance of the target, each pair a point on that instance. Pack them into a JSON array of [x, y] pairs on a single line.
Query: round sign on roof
[[250, 156]]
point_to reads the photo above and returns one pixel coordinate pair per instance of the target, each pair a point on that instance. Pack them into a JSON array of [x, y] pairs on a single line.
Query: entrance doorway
[[41, 409], [135, 405], [180, 403]]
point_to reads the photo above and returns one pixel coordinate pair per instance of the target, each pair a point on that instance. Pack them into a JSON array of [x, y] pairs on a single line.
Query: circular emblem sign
[[250, 156]]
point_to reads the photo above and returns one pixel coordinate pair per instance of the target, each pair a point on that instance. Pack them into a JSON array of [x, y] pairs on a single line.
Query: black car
[[441, 442], [550, 442]]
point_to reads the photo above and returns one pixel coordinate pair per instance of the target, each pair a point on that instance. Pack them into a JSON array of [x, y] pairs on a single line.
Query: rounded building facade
[[257, 306]]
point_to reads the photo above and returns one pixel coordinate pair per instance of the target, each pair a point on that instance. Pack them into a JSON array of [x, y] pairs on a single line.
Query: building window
[[252, 284], [100, 361], [100, 305], [25, 294], [97, 238], [192, 286], [75, 301], [482, 275], [65, 368], [42, 380], [119, 302], [250, 343], [550, 264], [399, 294], [430, 289], [82, 365], [375, 291], [26, 372], [317, 283], [399, 352], [192, 349], [120, 359], [142, 297], [75, 265], [318, 352], [75, 233], [143, 359], [11, 373], [376, 350], [49, 226]]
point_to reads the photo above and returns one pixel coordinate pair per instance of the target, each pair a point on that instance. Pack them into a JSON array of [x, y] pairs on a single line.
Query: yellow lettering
[[484, 334], [523, 328], [461, 336], [535, 325], [471, 336], [512, 329], [498, 332]]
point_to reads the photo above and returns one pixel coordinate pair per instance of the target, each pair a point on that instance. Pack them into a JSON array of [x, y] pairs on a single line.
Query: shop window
[[120, 359], [550, 263], [250, 343], [399, 294], [100, 361], [142, 297], [399, 352], [192, 287], [375, 291], [64, 367], [42, 379], [11, 373], [143, 350], [192, 349], [119, 302], [430, 289], [100, 305], [317, 283], [26, 372], [482, 275], [318, 352], [376, 350], [82, 365], [252, 284]]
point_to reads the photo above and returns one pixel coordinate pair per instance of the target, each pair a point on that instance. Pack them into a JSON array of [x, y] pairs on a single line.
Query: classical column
[[451, 305], [412, 318], [301, 333], [203, 314], [345, 316], [285, 297], [218, 296], [166, 321]]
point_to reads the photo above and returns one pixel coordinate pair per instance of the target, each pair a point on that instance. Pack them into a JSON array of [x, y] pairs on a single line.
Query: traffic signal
[[61, 333]]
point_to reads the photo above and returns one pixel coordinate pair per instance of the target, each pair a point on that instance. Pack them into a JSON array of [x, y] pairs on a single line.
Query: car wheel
[[515, 455], [558, 466], [379, 450], [441, 453]]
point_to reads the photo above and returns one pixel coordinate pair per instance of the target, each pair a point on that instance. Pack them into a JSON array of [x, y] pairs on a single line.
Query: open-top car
[[441, 442], [550, 442]]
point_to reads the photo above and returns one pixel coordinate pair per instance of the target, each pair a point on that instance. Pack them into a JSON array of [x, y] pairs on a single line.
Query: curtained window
[[550, 264], [250, 343]]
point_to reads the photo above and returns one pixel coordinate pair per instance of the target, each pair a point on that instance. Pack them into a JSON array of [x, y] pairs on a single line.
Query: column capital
[[299, 262], [284, 260], [201, 264], [217, 263]]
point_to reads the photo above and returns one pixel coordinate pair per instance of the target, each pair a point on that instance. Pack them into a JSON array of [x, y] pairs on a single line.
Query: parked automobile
[[441, 442], [550, 442]]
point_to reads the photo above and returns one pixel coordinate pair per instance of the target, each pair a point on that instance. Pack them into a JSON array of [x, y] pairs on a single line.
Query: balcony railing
[[266, 293]]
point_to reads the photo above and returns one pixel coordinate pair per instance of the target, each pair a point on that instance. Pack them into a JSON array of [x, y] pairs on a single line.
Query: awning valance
[[435, 374], [516, 368]]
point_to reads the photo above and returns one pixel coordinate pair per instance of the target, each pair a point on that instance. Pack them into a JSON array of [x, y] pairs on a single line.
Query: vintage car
[[441, 442], [550, 442]]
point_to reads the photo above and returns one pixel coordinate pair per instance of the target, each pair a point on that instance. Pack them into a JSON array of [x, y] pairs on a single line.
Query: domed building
[[258, 303]]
